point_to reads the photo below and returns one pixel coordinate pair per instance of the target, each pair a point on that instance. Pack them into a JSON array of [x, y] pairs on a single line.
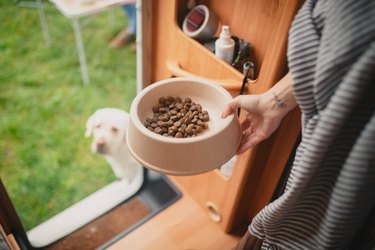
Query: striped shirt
[[329, 199]]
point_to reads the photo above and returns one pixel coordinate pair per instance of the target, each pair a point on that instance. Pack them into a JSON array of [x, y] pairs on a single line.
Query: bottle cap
[[225, 31]]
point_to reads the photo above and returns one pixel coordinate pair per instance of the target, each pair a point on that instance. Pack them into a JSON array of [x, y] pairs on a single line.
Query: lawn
[[45, 161]]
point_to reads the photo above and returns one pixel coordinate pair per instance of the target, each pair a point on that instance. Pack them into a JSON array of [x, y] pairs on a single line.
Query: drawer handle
[[228, 84], [213, 211]]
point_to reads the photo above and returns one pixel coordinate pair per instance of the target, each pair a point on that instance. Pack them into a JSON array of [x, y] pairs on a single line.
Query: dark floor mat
[[156, 194], [105, 227]]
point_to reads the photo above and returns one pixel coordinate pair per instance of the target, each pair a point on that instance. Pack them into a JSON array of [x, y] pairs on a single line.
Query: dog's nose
[[101, 146], [100, 141]]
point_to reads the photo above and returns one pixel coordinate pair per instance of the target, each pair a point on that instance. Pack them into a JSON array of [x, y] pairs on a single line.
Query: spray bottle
[[224, 45]]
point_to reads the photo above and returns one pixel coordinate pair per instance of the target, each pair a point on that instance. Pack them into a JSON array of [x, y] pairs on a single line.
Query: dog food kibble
[[177, 117]]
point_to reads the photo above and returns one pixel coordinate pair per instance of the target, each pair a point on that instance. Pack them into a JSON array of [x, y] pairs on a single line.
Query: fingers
[[231, 106], [227, 111], [245, 124], [247, 133], [249, 127], [248, 142]]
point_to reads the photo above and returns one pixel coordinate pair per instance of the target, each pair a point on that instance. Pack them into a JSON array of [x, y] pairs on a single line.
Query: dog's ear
[[89, 126]]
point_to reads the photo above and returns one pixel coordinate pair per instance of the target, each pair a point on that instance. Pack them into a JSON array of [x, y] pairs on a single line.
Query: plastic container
[[184, 156], [224, 45]]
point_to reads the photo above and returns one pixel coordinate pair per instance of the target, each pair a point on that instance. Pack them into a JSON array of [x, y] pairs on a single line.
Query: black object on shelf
[[242, 55], [248, 72]]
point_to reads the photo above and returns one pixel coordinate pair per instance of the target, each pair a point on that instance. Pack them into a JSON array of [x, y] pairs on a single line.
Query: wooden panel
[[265, 24], [147, 45]]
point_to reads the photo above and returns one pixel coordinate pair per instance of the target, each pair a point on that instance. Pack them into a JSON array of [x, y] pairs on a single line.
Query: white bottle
[[224, 45]]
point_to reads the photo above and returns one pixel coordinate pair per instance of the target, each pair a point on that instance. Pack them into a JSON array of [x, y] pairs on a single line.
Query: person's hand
[[261, 118], [264, 112]]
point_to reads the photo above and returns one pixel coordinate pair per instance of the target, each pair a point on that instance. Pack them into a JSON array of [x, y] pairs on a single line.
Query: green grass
[[45, 161]]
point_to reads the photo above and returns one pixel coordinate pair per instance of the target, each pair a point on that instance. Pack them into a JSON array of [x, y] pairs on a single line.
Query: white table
[[74, 10]]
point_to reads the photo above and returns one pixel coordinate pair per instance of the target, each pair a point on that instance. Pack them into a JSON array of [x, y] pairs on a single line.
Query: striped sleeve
[[329, 197]]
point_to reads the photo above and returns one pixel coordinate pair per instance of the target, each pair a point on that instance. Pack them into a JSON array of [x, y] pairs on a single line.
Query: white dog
[[108, 126]]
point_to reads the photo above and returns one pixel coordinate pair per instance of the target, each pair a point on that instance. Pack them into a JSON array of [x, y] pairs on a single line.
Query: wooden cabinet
[[168, 52]]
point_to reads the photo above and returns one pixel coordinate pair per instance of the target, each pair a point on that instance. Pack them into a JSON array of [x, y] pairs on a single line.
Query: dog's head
[[108, 127]]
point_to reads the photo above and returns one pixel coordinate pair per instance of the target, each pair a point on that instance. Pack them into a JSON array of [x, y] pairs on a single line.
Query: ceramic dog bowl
[[184, 156]]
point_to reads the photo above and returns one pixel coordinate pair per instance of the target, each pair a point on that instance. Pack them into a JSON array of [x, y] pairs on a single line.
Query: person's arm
[[264, 112]]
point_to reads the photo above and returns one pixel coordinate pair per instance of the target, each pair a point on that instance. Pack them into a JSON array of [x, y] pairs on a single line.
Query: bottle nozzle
[[225, 31]]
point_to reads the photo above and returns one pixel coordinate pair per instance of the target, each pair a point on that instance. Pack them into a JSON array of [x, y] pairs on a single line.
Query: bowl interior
[[212, 97]]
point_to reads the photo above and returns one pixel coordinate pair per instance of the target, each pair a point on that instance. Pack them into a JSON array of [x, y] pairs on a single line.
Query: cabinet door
[[168, 52]]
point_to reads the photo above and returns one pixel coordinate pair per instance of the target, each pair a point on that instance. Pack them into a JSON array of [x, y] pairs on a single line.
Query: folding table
[[74, 10]]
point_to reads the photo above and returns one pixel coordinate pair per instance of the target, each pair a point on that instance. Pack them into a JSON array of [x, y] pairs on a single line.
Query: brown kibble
[[189, 130], [170, 99], [157, 130], [181, 130], [199, 129], [170, 123], [162, 100], [193, 108], [177, 118], [179, 106], [187, 106], [162, 110], [155, 109]]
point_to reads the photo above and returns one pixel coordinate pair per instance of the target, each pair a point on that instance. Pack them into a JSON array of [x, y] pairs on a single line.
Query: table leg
[[112, 17], [38, 4], [81, 51]]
